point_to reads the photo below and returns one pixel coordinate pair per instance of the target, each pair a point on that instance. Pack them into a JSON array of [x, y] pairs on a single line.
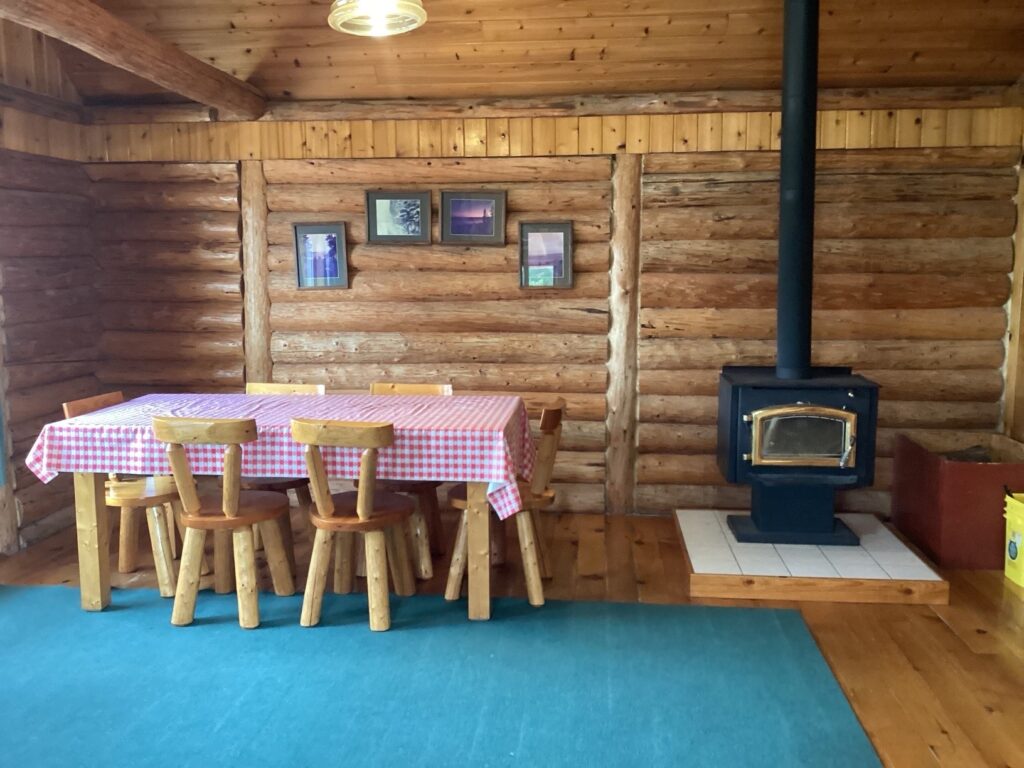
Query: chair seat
[[253, 507], [143, 492], [458, 493], [388, 509], [278, 484]]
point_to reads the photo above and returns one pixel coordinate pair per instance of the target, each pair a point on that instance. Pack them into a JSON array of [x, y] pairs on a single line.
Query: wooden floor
[[932, 685]]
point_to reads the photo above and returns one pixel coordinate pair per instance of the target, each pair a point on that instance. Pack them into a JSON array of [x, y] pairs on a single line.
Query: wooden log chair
[[536, 495], [234, 512], [282, 484], [157, 496], [425, 524], [379, 516]]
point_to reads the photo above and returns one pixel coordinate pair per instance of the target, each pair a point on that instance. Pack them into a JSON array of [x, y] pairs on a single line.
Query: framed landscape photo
[[320, 256], [545, 254], [397, 217], [473, 218]]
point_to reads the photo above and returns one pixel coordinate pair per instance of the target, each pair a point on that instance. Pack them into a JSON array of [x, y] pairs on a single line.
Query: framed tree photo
[[545, 254], [473, 218], [320, 257], [397, 217]]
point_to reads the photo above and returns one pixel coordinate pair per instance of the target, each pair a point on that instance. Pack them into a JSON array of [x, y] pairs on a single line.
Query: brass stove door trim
[[761, 415]]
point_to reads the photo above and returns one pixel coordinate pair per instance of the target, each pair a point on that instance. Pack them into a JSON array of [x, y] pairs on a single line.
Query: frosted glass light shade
[[376, 18]]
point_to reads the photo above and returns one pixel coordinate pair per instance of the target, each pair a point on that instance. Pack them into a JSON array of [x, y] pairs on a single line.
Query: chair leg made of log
[[305, 508], [278, 561], [528, 549], [184, 610], [245, 577], [223, 566], [163, 560], [419, 537], [172, 530], [457, 569], [344, 563], [316, 579], [288, 539], [543, 550], [128, 541], [398, 560], [427, 504], [377, 580]]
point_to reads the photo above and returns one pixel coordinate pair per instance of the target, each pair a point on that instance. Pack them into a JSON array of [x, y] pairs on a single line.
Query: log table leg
[[93, 528], [478, 536]]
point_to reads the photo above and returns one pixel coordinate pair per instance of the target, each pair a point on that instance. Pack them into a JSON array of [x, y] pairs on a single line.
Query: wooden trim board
[[812, 589]]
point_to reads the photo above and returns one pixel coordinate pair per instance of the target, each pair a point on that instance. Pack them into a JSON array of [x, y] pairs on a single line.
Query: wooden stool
[[379, 516], [425, 524], [535, 495], [283, 484], [132, 495], [158, 496], [236, 511]]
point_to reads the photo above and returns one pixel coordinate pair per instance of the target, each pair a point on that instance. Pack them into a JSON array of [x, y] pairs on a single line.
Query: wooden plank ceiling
[[483, 48]]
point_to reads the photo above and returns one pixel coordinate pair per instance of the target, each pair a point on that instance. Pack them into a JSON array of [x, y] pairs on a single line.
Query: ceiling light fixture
[[376, 18]]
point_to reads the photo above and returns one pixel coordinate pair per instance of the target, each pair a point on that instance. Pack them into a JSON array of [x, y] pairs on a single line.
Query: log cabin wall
[[170, 292], [50, 326], [182, 214], [452, 313], [912, 258]]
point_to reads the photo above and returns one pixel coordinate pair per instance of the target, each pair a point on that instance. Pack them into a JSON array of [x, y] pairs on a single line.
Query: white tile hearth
[[713, 549]]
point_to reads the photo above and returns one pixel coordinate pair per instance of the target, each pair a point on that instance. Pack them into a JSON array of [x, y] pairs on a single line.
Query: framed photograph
[[320, 257], [473, 218], [545, 254], [398, 217]]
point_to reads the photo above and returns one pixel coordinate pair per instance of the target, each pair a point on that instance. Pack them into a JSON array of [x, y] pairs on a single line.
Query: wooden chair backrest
[[267, 388], [231, 433], [90, 404], [393, 388], [550, 434], [370, 436]]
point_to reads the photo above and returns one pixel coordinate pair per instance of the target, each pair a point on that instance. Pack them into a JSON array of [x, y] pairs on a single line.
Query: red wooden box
[[953, 510]]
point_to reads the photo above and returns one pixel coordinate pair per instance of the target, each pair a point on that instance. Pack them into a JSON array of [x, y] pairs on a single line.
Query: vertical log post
[[255, 273], [623, 305], [1013, 413], [8, 510]]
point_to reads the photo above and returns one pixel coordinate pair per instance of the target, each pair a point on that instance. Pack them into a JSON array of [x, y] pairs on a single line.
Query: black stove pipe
[[796, 188]]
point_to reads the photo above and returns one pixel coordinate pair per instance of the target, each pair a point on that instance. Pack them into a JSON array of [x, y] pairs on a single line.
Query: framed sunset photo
[[545, 254], [473, 218]]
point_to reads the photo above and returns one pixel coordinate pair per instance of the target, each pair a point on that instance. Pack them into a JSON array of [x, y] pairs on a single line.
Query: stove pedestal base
[[792, 509], [743, 528]]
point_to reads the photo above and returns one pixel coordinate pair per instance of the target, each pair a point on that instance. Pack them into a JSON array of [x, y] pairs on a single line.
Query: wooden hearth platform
[[883, 569]]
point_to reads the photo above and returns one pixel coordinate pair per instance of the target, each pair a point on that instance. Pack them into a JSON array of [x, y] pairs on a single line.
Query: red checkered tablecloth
[[458, 439]]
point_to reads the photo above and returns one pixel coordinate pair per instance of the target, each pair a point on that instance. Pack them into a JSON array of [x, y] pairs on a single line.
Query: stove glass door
[[803, 435]]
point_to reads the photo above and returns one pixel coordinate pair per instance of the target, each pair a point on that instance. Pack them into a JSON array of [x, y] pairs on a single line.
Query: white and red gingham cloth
[[458, 439]]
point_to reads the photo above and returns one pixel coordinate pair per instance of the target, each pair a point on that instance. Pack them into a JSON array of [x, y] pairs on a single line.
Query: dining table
[[481, 440]]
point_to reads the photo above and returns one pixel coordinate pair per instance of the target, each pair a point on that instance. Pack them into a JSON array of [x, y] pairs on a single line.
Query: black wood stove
[[796, 433]]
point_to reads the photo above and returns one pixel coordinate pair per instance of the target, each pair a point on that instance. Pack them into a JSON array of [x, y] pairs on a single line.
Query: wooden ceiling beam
[[90, 28], [944, 97], [41, 104]]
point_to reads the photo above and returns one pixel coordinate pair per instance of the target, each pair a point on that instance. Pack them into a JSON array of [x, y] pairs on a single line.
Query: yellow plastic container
[[1014, 566]]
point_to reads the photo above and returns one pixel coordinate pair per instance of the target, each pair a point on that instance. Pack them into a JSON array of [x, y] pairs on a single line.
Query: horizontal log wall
[[171, 289], [912, 258], [452, 313], [50, 326]]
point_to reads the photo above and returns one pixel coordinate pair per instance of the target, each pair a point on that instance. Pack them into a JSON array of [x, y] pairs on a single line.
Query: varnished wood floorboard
[[932, 685]]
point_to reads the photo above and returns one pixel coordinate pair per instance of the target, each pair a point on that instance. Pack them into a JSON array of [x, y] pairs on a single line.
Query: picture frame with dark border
[[545, 254], [473, 218], [398, 217], [321, 257]]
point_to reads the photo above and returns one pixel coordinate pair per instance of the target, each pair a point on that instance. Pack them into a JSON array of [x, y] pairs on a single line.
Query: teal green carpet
[[571, 684]]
